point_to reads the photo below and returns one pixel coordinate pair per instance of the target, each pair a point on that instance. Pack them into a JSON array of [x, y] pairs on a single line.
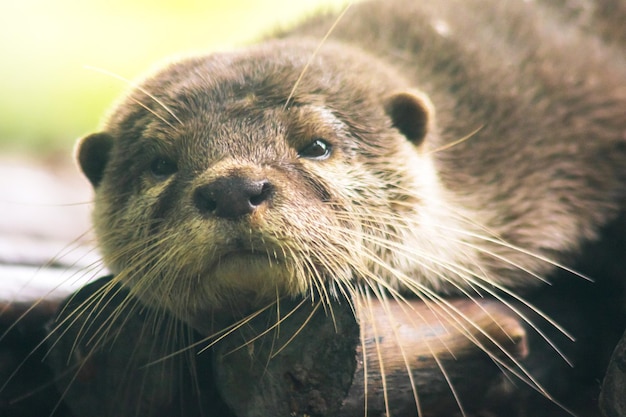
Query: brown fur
[[542, 175]]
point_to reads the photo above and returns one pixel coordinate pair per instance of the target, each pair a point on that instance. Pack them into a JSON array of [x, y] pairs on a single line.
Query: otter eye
[[318, 149], [162, 167]]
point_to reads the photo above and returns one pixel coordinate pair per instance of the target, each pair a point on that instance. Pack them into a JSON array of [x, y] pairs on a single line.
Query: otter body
[[283, 169], [426, 148]]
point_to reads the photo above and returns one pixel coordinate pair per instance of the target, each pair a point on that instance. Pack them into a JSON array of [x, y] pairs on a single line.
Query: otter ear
[[93, 153], [412, 113]]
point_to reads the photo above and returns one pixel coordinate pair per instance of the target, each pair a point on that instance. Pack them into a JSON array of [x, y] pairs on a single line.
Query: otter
[[281, 169], [423, 149]]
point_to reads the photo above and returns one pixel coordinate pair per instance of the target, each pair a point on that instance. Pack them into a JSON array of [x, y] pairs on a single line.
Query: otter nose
[[232, 196]]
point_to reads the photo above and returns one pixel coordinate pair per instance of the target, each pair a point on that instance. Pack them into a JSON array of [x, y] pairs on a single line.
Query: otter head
[[230, 180]]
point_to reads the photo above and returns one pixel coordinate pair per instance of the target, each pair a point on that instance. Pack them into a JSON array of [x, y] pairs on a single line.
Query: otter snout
[[232, 196]]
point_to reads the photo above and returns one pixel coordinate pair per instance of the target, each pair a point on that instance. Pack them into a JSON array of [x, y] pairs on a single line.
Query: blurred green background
[[48, 96]]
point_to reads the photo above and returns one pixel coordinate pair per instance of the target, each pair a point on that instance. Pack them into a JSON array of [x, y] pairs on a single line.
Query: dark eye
[[162, 167], [318, 149]]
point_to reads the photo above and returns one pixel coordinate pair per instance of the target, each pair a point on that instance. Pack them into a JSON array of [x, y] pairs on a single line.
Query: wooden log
[[119, 358], [114, 357], [303, 366], [26, 384], [408, 347], [613, 397], [440, 358]]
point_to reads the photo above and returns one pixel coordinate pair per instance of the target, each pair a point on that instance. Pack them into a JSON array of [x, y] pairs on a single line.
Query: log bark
[[119, 358], [322, 371], [613, 397], [304, 366]]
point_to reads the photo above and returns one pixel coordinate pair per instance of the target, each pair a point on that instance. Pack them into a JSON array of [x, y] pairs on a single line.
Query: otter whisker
[[526, 377], [421, 290], [74, 316], [75, 275], [276, 334], [456, 142], [314, 54], [467, 274], [276, 325], [54, 332], [143, 90], [497, 239], [381, 365], [473, 282], [385, 303], [302, 326], [211, 340], [532, 254], [397, 297], [96, 307], [320, 283], [227, 331]]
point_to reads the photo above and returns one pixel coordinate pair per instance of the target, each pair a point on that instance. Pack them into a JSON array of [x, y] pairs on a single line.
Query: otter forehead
[[244, 103], [281, 70], [275, 74]]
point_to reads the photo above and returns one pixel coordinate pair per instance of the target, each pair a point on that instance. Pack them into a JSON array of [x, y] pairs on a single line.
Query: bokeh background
[[48, 96]]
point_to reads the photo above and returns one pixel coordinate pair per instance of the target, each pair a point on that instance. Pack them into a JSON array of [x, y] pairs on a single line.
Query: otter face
[[218, 184]]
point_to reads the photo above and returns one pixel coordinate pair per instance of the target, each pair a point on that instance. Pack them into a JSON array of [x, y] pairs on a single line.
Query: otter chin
[[257, 274]]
